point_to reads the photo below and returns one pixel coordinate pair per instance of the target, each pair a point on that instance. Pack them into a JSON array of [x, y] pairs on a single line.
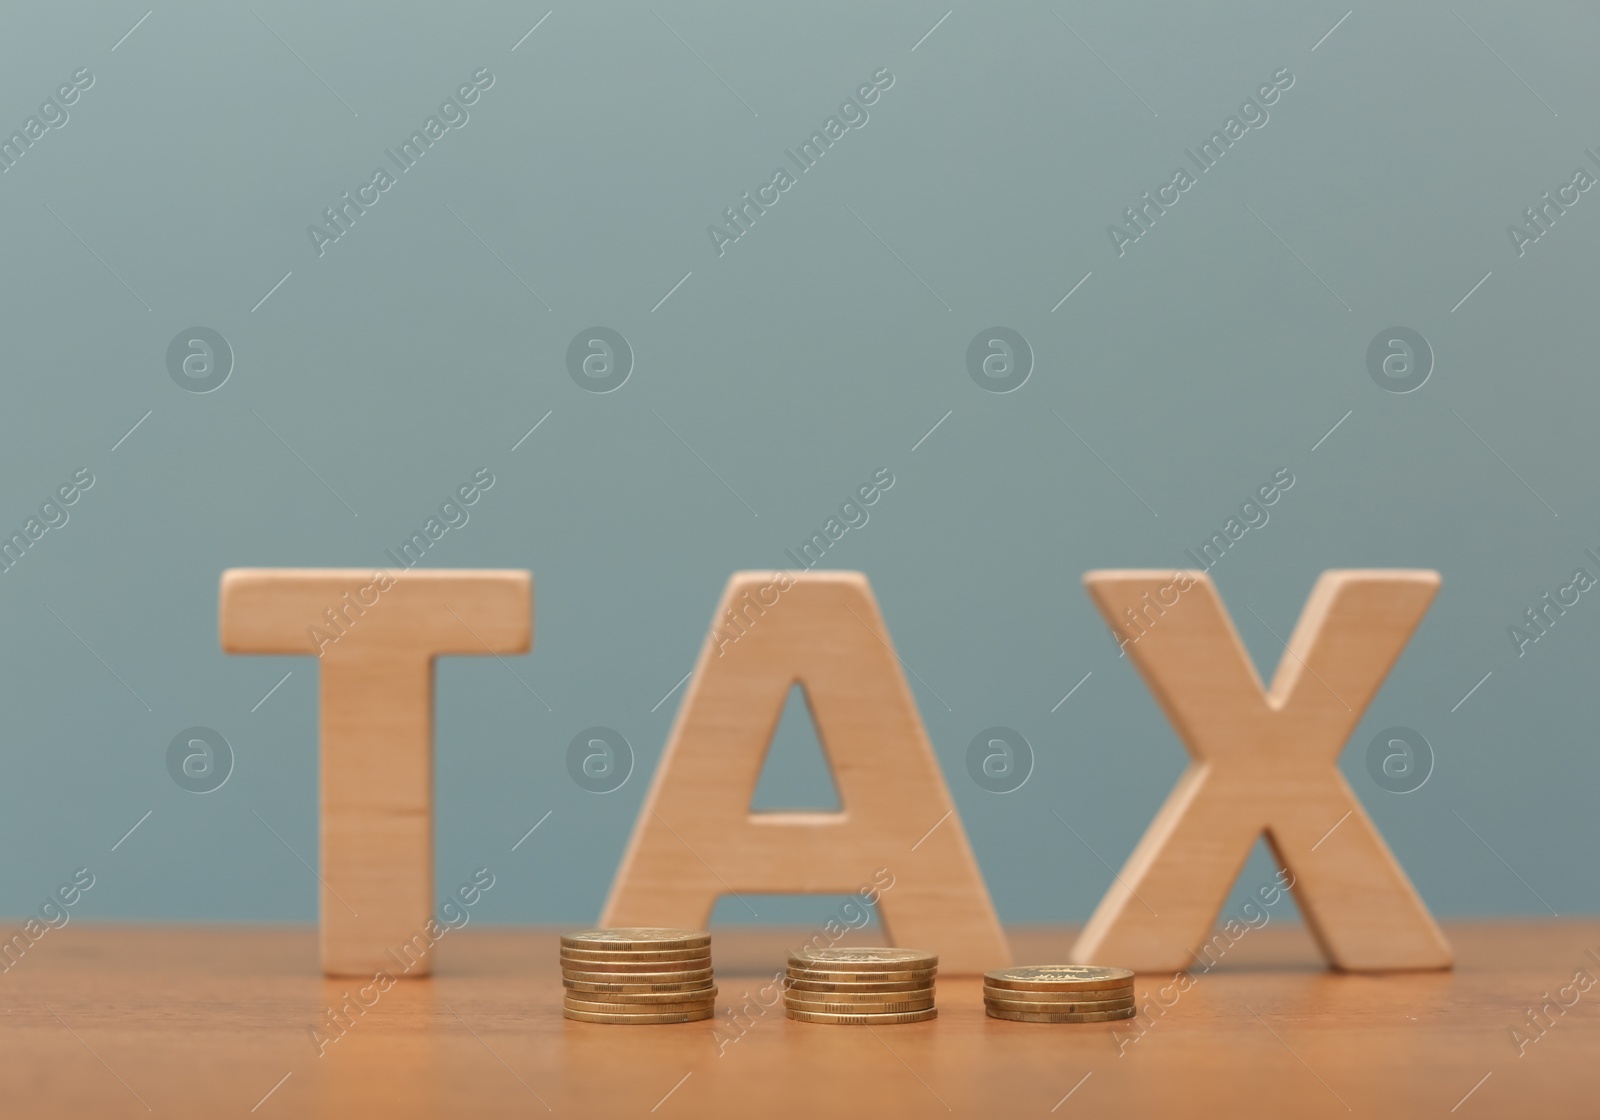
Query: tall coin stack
[[1059, 993], [637, 976], [868, 986]]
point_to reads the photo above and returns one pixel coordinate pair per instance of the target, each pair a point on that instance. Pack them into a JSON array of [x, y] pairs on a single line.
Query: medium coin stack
[[868, 986], [637, 976], [1059, 993]]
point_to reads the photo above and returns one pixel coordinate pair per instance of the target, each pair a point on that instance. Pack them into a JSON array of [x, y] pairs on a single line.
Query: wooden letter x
[[1263, 763], [696, 837], [376, 636]]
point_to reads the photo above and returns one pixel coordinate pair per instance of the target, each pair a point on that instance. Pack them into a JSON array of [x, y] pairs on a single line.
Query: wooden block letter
[[1263, 762], [696, 837], [376, 636]]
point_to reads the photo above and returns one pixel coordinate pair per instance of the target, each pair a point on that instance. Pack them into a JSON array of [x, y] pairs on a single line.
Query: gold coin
[[1071, 1006], [864, 995], [623, 968], [1092, 995], [880, 1008], [665, 1017], [1059, 978], [643, 1001], [636, 937], [880, 1019], [922, 975], [589, 977], [626, 955], [869, 959], [1053, 1017], [873, 986], [675, 1008], [635, 988]]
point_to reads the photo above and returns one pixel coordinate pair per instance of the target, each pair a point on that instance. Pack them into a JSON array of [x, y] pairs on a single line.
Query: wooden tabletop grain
[[117, 1021]]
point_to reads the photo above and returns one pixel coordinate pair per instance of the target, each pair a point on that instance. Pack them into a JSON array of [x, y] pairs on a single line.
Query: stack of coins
[[637, 976], [865, 986], [1059, 993]]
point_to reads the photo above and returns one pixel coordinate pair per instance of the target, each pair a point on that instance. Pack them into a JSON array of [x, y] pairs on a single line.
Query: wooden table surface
[[126, 1021]]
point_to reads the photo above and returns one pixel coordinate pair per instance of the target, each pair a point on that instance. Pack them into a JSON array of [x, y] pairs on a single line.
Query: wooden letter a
[[1263, 762], [696, 837]]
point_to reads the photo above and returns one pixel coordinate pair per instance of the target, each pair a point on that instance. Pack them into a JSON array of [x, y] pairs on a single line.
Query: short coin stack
[[868, 986], [1059, 993], [637, 976]]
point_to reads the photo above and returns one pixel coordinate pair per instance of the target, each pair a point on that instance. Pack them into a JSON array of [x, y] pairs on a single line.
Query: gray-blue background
[[823, 346]]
